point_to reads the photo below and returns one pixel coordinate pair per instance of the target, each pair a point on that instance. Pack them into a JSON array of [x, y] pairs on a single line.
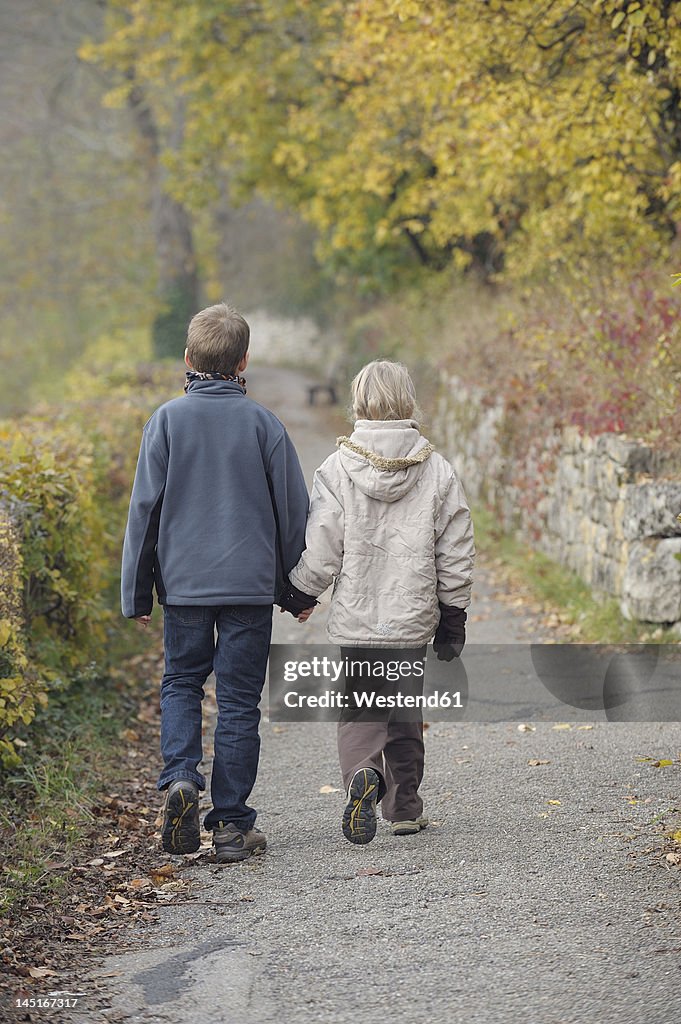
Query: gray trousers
[[390, 745]]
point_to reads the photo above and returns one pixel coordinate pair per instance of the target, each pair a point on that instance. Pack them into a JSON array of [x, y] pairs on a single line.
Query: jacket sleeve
[[141, 533], [323, 555], [289, 495], [454, 547]]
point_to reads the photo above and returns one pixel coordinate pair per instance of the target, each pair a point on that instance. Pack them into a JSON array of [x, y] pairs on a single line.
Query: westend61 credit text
[[370, 699]]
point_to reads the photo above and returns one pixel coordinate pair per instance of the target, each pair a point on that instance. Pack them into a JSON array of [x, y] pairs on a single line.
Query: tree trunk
[[178, 282]]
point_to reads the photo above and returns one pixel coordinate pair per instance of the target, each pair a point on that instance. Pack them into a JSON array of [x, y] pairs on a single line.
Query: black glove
[[294, 601], [450, 635]]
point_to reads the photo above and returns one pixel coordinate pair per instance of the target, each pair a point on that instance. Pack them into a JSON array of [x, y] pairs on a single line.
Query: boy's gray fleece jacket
[[213, 467], [390, 527]]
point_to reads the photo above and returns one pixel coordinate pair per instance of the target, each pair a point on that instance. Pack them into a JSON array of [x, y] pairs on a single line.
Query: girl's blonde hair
[[383, 390]]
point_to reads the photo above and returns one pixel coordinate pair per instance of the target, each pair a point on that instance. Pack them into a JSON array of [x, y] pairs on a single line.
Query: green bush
[[49, 498], [66, 474], [19, 691]]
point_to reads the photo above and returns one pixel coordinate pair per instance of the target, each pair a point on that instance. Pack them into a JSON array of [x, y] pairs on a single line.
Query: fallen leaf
[[673, 858], [561, 725], [665, 763], [329, 789], [534, 761], [368, 872], [166, 871], [554, 803], [524, 727], [41, 972], [128, 821]]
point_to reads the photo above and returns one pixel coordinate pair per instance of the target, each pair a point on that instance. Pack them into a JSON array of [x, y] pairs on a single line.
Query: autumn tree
[[490, 133]]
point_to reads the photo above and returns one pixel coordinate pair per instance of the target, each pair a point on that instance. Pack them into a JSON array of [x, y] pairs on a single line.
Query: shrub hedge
[[65, 478]]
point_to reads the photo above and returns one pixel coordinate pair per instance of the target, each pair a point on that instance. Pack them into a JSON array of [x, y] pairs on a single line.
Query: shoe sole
[[239, 855], [359, 816], [181, 832]]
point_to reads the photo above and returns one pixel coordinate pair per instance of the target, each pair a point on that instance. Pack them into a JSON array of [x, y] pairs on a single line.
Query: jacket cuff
[[293, 600], [451, 616]]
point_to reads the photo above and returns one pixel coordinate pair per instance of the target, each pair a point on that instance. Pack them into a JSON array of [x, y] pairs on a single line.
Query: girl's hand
[[304, 616]]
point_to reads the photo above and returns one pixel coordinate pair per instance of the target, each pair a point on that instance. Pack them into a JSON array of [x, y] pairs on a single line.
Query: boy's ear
[[243, 364], [186, 359]]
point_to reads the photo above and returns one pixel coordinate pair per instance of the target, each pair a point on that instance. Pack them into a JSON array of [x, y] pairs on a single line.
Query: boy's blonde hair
[[217, 339], [383, 390]]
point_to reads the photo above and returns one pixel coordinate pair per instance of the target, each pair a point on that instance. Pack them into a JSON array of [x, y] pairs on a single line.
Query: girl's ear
[[186, 360], [243, 364]]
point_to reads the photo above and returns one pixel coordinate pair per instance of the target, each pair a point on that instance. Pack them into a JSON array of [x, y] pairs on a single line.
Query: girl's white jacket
[[390, 527]]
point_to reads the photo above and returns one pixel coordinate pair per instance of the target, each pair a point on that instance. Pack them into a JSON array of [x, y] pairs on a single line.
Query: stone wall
[[605, 507]]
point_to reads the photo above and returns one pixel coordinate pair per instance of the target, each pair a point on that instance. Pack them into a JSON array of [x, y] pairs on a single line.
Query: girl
[[390, 527]]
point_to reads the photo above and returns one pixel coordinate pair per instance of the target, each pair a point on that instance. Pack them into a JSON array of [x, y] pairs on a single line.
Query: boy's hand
[[303, 617], [143, 620]]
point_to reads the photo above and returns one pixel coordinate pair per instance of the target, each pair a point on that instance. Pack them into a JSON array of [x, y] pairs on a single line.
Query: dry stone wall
[[605, 507]]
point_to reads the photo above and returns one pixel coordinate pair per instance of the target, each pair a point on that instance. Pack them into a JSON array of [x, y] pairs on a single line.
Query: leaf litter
[[117, 875]]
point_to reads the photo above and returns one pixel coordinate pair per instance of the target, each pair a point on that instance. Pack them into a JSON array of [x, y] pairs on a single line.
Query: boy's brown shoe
[[408, 828], [231, 845]]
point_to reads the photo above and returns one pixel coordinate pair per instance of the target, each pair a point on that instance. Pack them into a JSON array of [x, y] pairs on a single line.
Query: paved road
[[537, 895]]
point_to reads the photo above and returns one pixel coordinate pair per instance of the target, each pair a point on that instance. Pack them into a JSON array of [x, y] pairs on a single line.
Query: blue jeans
[[239, 659]]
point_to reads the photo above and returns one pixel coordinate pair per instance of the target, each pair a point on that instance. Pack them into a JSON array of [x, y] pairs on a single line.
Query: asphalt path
[[540, 892]]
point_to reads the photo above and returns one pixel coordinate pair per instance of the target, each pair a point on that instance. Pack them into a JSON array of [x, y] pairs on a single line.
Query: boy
[[217, 518]]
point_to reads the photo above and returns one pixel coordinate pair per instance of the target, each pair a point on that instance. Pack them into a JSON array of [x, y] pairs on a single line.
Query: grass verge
[[73, 759], [581, 615]]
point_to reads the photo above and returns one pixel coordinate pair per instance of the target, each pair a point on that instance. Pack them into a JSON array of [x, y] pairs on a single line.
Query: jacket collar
[[214, 387]]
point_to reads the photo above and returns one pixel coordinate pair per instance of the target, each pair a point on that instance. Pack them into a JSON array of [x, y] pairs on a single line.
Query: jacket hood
[[384, 458]]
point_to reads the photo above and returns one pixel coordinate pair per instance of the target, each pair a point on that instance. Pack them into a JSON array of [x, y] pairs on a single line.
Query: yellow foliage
[[19, 688], [546, 133], [67, 474]]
